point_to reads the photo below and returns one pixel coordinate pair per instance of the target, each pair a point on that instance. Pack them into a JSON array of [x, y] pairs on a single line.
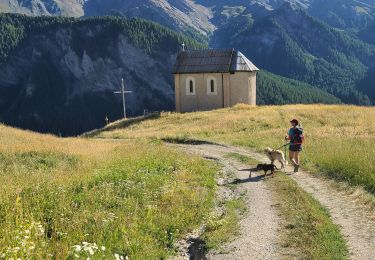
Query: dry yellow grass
[[67, 198], [16, 140], [21, 151], [340, 140]]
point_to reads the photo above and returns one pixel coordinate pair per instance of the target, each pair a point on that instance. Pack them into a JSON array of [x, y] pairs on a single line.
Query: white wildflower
[[119, 257], [77, 248], [103, 248]]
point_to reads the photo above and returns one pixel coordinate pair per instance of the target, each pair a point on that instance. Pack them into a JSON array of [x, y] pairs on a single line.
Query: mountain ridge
[[53, 79], [285, 43], [62, 64], [201, 15]]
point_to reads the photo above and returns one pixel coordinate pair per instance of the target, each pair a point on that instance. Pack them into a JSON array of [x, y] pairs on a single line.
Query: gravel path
[[259, 229], [356, 222], [258, 237]]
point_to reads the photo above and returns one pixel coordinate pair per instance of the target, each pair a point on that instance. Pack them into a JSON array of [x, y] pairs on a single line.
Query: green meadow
[[340, 140], [74, 198]]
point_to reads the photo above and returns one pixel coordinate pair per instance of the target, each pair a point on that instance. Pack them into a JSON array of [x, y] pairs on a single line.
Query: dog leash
[[286, 160], [285, 145]]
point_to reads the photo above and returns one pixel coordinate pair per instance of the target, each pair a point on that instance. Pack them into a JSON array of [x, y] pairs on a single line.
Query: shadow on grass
[[250, 179], [197, 249], [177, 140]]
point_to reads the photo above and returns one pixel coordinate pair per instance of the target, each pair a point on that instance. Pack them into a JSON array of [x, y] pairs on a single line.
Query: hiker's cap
[[295, 121]]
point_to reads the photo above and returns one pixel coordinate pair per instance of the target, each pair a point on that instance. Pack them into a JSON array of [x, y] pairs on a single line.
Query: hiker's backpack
[[298, 137]]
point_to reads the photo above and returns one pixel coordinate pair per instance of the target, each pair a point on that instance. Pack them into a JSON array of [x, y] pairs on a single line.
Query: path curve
[[356, 222], [259, 229]]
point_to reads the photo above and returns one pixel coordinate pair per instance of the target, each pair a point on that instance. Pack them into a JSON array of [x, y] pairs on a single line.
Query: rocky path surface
[[258, 237], [259, 229]]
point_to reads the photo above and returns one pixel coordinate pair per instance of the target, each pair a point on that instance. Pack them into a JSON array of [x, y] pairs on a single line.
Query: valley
[[278, 36], [53, 80], [77, 181]]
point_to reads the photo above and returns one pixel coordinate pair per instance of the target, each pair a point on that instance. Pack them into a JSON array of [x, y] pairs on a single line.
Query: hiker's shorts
[[295, 147]]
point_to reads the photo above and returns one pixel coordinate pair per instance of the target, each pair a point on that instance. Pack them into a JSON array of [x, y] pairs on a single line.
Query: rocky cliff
[[203, 16], [61, 75]]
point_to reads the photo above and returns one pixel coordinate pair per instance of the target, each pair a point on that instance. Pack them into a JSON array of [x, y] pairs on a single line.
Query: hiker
[[295, 135]]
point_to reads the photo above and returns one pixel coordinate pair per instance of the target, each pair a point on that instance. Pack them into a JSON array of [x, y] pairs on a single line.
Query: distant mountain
[[59, 74], [53, 67], [368, 33], [277, 90], [177, 14], [293, 44], [44, 7], [201, 15], [183, 15], [344, 14]]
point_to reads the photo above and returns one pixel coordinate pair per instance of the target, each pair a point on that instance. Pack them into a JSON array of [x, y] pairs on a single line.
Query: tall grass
[[69, 198], [340, 140]]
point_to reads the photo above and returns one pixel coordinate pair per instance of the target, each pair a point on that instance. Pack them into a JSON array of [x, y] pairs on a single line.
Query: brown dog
[[276, 155]]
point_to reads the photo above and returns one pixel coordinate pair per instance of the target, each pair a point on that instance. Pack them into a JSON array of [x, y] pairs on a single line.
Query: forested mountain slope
[[291, 43], [59, 74], [329, 44]]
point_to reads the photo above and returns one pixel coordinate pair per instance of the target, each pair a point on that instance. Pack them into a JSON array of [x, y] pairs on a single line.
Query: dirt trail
[[259, 230], [258, 237]]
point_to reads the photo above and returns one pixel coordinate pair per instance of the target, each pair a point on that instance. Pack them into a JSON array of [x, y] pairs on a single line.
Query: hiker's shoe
[[296, 168]]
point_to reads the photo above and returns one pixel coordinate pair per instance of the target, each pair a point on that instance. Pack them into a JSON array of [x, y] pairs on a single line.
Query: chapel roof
[[212, 61]]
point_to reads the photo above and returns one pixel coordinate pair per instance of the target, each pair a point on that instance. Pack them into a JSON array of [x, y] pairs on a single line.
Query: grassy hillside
[[67, 89], [68, 198], [339, 139]]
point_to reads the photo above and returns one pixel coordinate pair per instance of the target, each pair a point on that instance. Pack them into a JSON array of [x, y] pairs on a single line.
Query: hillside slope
[[44, 7], [276, 90], [293, 44], [54, 79], [339, 139], [280, 36], [69, 198], [200, 15]]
